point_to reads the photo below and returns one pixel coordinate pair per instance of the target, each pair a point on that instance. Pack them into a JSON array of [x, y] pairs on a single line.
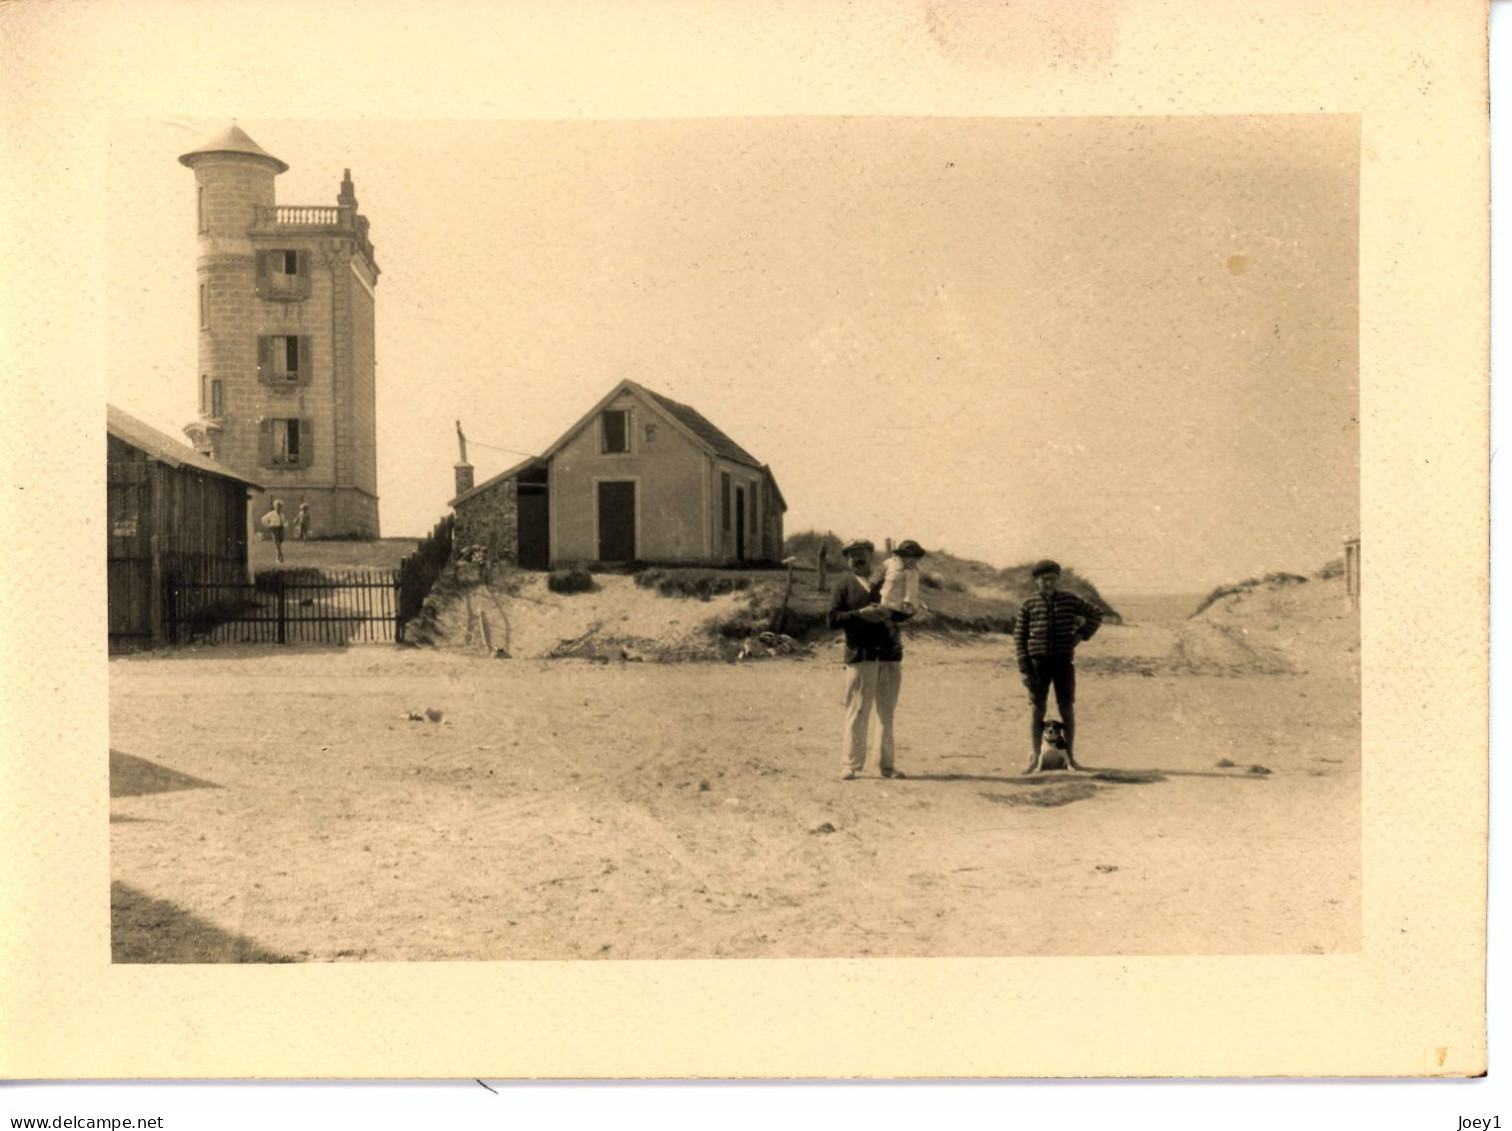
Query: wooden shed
[[170, 513]]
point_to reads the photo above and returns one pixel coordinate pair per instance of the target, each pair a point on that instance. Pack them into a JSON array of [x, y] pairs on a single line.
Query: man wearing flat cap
[[873, 661], [1050, 624]]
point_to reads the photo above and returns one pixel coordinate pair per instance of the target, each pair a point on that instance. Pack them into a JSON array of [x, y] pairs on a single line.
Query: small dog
[[1054, 755]]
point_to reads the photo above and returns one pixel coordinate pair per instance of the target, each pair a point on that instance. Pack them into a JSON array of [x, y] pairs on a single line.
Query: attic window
[[617, 430]]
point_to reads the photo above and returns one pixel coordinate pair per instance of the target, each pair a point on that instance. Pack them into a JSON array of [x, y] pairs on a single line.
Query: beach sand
[[280, 805]]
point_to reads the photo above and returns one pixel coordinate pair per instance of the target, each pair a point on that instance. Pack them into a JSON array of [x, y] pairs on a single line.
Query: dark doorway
[[740, 525], [535, 526], [616, 521]]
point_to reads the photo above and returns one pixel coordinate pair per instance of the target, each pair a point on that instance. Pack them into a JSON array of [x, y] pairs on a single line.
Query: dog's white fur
[[1053, 754]]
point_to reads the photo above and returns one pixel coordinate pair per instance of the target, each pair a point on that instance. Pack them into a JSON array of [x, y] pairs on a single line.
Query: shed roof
[[232, 139], [163, 447], [507, 473]]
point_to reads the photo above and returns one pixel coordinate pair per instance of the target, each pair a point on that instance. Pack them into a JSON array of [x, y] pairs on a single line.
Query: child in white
[[900, 579]]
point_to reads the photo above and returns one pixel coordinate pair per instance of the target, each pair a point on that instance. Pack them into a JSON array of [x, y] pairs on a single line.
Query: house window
[[204, 394], [281, 359], [285, 442], [617, 430], [754, 495], [204, 308], [204, 221], [217, 397], [724, 499]]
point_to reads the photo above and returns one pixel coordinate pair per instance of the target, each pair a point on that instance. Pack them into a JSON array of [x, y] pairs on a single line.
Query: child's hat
[[859, 546], [908, 548], [1046, 566]]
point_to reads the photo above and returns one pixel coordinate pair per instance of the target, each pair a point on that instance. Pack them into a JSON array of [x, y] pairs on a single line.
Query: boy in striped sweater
[[1050, 625]]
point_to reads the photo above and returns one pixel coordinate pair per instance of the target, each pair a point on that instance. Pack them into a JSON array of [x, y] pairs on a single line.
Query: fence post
[[398, 601], [282, 610], [823, 554]]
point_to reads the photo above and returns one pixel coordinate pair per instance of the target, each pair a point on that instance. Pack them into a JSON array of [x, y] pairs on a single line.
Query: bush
[[570, 581], [1245, 586], [700, 583], [935, 581], [805, 547]]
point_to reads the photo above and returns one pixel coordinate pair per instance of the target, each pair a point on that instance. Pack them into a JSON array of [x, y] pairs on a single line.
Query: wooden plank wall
[[165, 521]]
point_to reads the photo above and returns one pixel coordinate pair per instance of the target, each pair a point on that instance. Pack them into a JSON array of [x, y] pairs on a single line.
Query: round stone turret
[[235, 178]]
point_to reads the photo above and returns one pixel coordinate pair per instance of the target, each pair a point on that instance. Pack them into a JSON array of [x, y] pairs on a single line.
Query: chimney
[[463, 469]]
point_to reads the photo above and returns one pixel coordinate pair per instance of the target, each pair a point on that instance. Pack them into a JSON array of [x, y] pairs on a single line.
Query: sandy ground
[[531, 622], [277, 805]]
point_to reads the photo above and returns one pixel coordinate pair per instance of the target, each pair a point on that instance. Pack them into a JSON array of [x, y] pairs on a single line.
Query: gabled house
[[639, 478]]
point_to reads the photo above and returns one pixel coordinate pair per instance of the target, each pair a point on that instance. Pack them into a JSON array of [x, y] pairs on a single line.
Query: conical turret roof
[[232, 139]]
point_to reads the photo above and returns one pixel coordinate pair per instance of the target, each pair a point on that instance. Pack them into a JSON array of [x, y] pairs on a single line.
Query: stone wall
[[491, 518], [335, 512], [334, 397]]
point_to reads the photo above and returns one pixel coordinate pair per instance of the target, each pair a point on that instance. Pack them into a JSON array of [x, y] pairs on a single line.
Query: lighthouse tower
[[286, 358]]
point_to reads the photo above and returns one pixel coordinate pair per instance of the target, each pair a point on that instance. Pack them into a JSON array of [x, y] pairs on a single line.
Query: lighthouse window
[[280, 359], [286, 441], [283, 275]]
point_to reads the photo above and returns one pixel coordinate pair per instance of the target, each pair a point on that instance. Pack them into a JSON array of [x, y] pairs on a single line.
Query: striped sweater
[[1043, 629]]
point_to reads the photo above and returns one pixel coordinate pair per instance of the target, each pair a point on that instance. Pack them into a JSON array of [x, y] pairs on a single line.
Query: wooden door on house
[[616, 521], [534, 526], [740, 524]]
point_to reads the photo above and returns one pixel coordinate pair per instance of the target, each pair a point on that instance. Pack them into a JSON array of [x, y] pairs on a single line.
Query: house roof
[[232, 139], [772, 483], [509, 473], [697, 427], [163, 447], [700, 426], [693, 423]]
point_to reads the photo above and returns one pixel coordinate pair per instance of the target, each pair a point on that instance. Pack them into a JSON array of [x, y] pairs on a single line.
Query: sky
[[1127, 343]]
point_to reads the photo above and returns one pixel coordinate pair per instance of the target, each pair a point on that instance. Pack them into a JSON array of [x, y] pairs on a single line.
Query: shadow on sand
[[131, 776], [143, 929], [1093, 774]]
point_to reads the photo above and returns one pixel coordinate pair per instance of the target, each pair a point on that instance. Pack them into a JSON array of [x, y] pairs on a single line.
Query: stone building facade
[[286, 307]]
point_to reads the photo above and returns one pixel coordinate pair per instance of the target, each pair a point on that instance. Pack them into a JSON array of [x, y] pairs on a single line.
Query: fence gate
[[286, 607]]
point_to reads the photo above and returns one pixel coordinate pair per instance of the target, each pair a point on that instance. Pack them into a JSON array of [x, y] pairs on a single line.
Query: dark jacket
[[864, 640], [1041, 630]]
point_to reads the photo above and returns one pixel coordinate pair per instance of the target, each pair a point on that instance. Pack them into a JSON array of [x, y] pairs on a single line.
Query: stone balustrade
[[303, 216]]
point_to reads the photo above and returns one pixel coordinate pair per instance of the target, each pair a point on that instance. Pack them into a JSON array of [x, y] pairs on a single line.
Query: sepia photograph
[[763, 542], [737, 538]]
